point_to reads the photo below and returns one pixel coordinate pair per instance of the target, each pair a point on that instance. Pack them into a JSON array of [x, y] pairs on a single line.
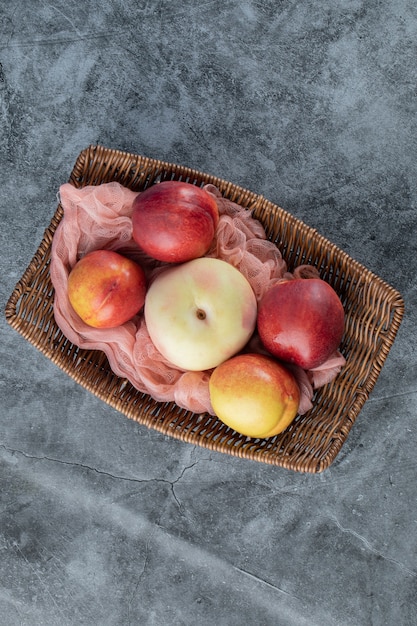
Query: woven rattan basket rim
[[312, 443]]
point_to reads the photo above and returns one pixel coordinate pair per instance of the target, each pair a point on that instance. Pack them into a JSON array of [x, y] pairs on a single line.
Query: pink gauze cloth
[[97, 217]]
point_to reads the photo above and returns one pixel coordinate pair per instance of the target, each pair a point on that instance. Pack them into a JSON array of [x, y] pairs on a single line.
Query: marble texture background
[[313, 105]]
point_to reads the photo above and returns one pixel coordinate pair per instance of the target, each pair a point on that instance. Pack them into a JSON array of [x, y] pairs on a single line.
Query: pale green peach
[[200, 313]]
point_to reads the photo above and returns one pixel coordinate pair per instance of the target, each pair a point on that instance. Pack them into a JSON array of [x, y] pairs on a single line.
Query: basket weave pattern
[[373, 309]]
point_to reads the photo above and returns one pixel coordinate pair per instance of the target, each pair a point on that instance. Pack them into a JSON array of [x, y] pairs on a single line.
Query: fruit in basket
[[106, 289], [200, 313], [174, 221], [301, 321], [254, 394]]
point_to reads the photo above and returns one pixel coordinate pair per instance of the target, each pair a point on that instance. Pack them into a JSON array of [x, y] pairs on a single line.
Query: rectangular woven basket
[[374, 311]]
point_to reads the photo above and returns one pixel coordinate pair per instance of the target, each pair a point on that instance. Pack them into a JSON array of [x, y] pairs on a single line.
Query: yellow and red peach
[[254, 394], [106, 289]]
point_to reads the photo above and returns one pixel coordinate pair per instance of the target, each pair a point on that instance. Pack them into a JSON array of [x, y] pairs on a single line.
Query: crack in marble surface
[[371, 548], [262, 581], [68, 19], [108, 474]]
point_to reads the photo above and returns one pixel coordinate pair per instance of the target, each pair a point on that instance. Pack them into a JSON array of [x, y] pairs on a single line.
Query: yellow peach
[[254, 394]]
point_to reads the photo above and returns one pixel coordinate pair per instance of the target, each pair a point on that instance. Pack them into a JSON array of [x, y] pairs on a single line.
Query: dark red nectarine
[[174, 221], [301, 321]]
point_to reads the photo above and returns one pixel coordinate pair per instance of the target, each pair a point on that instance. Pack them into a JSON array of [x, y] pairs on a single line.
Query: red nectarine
[[301, 321], [174, 221]]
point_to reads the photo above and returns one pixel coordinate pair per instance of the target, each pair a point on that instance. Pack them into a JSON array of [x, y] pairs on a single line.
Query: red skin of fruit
[[301, 321], [174, 221], [106, 289]]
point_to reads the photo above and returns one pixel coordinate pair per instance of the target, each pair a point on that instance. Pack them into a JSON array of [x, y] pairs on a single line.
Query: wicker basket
[[373, 314]]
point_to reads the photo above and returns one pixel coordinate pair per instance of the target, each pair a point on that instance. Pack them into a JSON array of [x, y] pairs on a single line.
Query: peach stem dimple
[[201, 315]]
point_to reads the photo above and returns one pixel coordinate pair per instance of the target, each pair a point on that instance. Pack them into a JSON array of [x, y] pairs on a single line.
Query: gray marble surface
[[104, 522]]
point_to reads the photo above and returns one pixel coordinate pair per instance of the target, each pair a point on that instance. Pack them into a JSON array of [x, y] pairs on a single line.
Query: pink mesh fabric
[[100, 217]]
